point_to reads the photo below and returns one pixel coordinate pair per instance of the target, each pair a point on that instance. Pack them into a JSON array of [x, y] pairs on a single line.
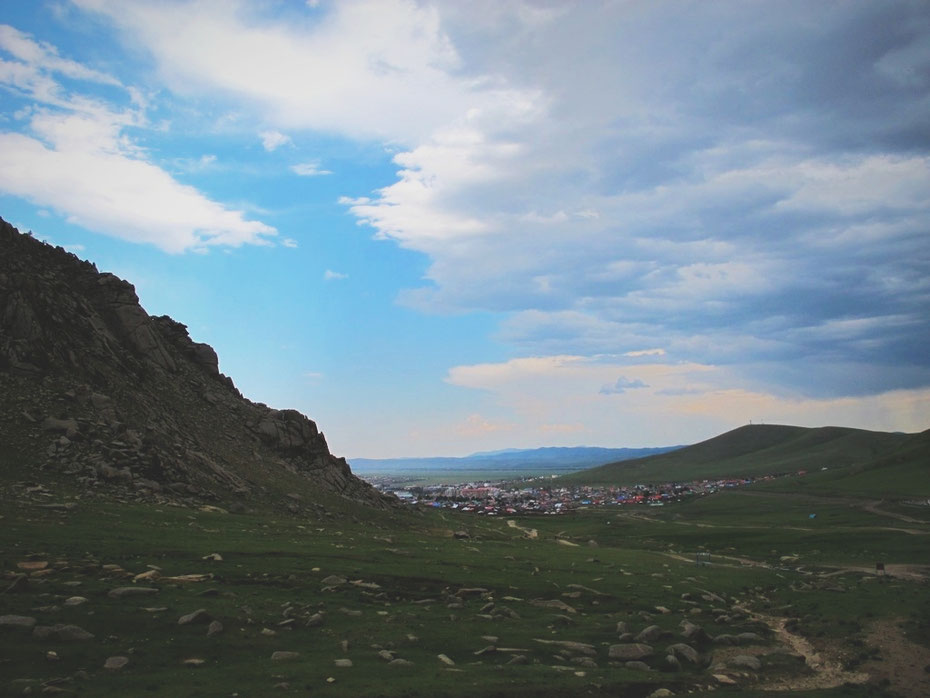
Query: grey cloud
[[758, 173], [622, 385]]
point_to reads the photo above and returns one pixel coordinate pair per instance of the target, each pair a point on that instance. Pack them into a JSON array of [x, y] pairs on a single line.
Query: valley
[[421, 601]]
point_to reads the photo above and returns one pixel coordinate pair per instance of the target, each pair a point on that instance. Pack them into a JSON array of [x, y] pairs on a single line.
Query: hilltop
[[101, 395], [847, 455]]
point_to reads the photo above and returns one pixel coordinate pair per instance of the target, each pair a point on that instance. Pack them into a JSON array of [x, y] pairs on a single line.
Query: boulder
[[745, 661], [64, 633], [199, 616], [17, 622], [649, 634], [630, 651]]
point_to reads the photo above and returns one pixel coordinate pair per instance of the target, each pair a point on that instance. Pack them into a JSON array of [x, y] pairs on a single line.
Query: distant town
[[540, 495]]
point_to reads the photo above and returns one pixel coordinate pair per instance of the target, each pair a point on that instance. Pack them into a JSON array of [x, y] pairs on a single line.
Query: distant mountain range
[[550, 459]]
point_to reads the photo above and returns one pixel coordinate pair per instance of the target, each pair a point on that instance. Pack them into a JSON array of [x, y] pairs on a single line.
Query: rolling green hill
[[857, 461]]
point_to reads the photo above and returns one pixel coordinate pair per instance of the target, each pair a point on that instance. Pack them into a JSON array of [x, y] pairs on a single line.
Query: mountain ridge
[[754, 450], [116, 400], [546, 457]]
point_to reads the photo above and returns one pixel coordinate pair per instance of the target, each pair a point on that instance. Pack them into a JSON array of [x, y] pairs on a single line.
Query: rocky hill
[[94, 389]]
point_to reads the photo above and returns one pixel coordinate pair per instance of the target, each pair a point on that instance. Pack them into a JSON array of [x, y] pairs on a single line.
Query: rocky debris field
[[128, 598]]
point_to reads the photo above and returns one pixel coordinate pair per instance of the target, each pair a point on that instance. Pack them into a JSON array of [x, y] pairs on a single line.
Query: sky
[[445, 227]]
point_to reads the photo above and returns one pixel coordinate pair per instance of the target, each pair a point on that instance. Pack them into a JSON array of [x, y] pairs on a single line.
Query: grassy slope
[[272, 562], [759, 450]]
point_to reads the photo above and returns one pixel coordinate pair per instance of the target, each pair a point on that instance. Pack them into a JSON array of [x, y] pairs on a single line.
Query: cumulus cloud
[[743, 186], [272, 140], [309, 169], [74, 156]]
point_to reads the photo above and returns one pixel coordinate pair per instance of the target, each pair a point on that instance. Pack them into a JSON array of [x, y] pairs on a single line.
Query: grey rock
[[215, 628], [64, 633], [685, 653], [121, 592], [630, 651], [115, 663], [199, 616], [282, 656], [745, 661], [21, 622], [649, 634], [637, 665]]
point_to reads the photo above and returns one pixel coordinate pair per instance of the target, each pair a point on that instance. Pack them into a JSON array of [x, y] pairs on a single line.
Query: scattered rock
[[344, 663], [32, 565], [121, 592], [115, 663], [64, 633], [445, 660], [745, 661], [631, 651], [400, 662], [553, 603], [24, 622], [638, 666], [193, 662], [198, 616], [649, 634], [75, 601], [215, 628], [284, 656], [685, 653]]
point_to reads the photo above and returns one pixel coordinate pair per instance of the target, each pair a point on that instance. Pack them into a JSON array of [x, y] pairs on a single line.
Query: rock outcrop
[[124, 402]]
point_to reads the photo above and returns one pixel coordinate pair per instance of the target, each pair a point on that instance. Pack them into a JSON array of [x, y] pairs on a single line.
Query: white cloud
[[707, 179], [289, 242], [673, 403], [100, 184], [366, 68], [272, 140], [79, 161], [646, 352], [309, 169], [330, 275]]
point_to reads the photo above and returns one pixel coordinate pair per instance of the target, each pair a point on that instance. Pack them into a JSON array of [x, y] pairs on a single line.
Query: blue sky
[[444, 227]]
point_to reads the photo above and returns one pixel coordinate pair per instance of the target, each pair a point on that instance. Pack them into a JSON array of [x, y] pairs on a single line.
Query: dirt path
[[903, 663], [872, 508], [530, 532], [827, 672]]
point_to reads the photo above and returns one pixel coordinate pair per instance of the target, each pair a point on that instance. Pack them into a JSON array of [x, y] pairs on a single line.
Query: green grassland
[[404, 572], [856, 462]]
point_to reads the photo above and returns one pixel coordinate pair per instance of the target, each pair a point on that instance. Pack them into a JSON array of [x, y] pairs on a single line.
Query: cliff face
[[93, 387]]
